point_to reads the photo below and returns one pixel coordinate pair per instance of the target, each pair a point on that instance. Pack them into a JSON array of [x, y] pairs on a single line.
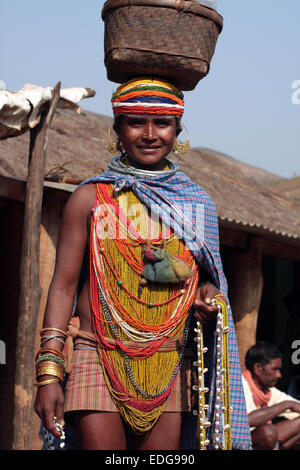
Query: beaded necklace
[[139, 379]]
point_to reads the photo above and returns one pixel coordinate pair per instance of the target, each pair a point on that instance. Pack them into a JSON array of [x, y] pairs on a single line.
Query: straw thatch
[[289, 188]]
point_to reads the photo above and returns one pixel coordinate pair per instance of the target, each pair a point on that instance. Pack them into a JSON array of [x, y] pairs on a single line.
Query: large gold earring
[[180, 148], [111, 146]]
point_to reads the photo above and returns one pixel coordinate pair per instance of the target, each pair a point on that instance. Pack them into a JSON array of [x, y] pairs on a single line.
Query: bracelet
[[49, 361], [50, 368], [56, 359], [53, 329], [58, 375], [59, 338], [46, 382], [56, 352], [50, 365]]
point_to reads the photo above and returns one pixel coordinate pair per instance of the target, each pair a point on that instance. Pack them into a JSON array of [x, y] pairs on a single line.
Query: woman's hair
[[261, 353]]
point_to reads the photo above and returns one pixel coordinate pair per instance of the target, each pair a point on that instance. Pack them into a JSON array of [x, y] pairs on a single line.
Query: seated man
[[274, 416]]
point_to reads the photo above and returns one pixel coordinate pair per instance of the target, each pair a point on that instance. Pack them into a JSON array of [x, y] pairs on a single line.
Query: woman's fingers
[[205, 308], [60, 413], [49, 423], [205, 312], [49, 403]]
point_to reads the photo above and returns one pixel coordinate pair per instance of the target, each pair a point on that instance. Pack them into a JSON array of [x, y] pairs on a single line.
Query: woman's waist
[[87, 340]]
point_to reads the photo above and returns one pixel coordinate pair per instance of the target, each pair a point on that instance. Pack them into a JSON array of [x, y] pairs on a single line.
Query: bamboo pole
[[30, 290]]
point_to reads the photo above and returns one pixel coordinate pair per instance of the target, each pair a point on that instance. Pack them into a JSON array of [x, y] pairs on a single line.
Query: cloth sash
[[74, 331], [260, 398]]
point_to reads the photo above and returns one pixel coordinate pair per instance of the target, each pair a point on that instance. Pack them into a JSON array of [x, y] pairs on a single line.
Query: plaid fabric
[[179, 201], [86, 388]]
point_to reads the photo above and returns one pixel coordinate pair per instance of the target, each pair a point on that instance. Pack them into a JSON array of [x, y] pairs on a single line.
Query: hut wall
[[11, 213], [53, 205]]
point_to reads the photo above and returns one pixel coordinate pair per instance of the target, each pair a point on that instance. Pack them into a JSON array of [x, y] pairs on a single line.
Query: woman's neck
[[159, 166]]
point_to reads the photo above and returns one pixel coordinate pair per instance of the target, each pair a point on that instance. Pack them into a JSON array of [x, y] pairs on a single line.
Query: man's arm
[[263, 415]]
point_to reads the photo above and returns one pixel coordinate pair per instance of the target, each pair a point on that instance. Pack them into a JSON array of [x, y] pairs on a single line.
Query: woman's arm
[[69, 258]]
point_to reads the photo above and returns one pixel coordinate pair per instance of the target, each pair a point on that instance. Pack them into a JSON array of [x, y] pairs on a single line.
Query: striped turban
[[148, 96]]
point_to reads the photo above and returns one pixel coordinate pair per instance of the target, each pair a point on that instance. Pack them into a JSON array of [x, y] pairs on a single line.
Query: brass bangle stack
[[49, 362]]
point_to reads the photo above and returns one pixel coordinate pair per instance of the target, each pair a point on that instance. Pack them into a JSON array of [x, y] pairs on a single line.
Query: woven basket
[[170, 39]]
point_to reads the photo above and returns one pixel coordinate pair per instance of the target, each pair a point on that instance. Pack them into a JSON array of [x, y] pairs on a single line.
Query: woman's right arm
[[69, 258]]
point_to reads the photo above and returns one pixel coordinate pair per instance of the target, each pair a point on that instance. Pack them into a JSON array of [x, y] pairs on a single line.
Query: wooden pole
[[30, 290], [246, 286]]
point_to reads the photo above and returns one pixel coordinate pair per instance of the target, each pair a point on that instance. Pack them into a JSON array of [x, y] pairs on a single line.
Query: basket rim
[[191, 6]]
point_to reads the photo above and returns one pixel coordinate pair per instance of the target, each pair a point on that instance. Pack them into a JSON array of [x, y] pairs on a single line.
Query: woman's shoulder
[[82, 199]]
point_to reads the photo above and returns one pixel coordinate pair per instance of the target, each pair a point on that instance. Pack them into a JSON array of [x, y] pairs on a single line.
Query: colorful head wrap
[[148, 96]]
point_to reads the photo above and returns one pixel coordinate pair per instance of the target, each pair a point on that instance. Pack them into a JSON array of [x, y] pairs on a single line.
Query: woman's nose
[[149, 131]]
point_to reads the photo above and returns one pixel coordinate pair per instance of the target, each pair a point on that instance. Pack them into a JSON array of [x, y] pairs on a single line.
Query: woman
[[147, 277]]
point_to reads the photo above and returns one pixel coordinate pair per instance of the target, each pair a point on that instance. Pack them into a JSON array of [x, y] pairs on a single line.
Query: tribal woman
[[139, 251]]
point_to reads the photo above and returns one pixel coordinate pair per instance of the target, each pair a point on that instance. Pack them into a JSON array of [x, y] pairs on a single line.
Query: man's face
[[269, 374]]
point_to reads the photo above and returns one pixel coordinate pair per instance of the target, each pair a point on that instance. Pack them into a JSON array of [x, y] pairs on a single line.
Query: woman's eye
[[163, 123], [136, 123]]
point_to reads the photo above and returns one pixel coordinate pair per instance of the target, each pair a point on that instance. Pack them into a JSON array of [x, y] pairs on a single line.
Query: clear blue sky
[[243, 107]]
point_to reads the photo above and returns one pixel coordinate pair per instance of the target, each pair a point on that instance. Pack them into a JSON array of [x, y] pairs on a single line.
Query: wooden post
[[246, 285], [30, 290]]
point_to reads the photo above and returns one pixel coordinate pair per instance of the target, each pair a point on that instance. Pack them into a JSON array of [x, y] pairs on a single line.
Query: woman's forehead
[[148, 116]]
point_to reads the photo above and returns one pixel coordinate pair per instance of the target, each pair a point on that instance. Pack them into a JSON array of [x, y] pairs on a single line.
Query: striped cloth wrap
[[148, 96]]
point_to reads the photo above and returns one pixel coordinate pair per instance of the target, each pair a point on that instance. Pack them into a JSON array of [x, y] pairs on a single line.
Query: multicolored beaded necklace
[[134, 319]]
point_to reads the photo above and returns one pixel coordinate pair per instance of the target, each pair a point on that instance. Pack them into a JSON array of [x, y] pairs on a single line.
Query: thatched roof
[[253, 172], [289, 188], [76, 150]]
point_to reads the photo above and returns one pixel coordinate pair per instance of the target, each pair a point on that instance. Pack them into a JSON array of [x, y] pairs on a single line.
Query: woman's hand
[[49, 402], [204, 309]]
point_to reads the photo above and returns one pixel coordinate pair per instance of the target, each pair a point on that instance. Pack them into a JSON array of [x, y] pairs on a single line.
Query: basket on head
[[171, 39]]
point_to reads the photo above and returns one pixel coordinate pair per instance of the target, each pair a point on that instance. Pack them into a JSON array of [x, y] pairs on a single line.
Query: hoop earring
[[181, 148], [111, 146]]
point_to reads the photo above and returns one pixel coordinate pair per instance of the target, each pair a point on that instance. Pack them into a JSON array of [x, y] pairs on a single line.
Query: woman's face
[[147, 140]]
